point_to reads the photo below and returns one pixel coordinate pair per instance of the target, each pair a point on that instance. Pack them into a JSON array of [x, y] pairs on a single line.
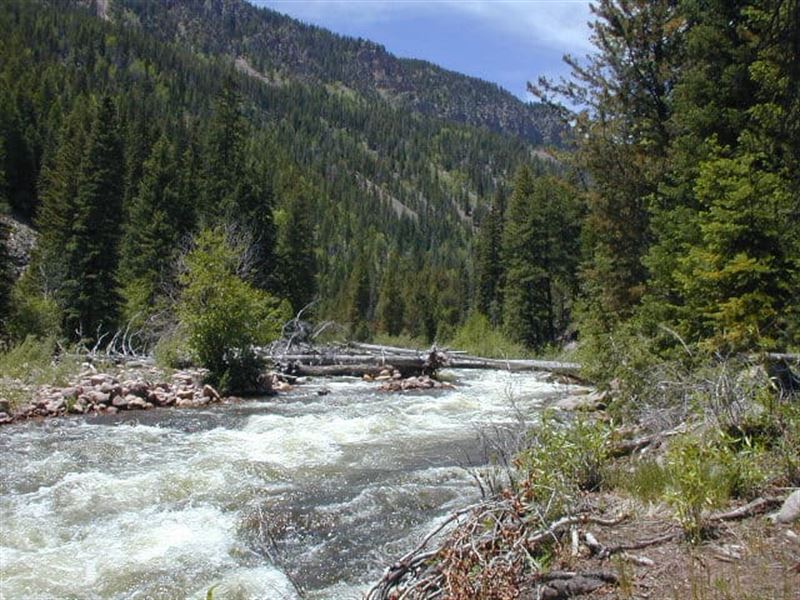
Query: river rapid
[[319, 490]]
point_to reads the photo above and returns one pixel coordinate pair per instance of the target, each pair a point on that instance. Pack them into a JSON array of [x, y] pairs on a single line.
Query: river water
[[319, 491]]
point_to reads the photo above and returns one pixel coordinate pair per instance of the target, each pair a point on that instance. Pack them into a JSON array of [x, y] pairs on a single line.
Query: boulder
[[121, 402], [135, 402], [184, 403], [137, 388], [790, 511], [100, 379], [5, 418], [185, 394], [54, 406], [112, 410], [98, 397], [210, 393], [588, 402], [5, 405]]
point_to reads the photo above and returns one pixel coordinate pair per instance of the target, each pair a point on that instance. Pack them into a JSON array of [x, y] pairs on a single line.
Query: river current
[[318, 491]]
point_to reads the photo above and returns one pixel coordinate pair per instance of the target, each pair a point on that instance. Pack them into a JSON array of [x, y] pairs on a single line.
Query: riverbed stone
[[210, 393], [121, 402], [185, 394], [54, 406], [135, 402], [100, 379], [98, 397], [5, 418]]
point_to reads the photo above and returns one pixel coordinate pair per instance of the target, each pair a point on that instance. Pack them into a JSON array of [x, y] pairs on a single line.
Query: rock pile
[[423, 382], [107, 394]]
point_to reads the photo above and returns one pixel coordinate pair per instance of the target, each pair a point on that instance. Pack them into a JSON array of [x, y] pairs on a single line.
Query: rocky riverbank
[[138, 388]]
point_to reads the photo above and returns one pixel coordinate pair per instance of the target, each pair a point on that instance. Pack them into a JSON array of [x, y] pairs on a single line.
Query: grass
[[477, 336], [34, 362]]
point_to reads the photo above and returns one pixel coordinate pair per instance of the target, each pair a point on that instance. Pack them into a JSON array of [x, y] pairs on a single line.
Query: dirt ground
[[749, 559]]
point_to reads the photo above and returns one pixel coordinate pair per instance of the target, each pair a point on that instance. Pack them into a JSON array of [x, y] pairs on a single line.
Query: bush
[[32, 314], [34, 361], [224, 315], [477, 336], [563, 459], [699, 479]]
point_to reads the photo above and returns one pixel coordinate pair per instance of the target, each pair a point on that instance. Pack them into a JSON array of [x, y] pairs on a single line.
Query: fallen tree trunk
[[342, 370], [365, 357]]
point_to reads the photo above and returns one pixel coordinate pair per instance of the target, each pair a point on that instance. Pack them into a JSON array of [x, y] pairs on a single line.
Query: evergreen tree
[[296, 273], [5, 259], [92, 251], [231, 190], [154, 226], [489, 266], [391, 307], [56, 216], [359, 307]]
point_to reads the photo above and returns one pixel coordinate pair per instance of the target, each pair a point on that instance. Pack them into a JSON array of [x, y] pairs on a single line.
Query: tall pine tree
[[93, 250]]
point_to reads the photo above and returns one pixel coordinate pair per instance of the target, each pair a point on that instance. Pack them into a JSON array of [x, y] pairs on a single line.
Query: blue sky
[[509, 42]]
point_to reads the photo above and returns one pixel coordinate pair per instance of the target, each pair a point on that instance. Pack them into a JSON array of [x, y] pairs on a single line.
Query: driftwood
[[370, 359]]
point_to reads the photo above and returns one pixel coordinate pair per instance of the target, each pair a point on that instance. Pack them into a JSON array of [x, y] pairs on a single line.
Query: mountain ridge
[[282, 48]]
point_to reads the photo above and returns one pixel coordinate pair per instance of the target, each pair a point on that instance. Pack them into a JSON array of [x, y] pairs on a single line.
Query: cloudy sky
[[508, 42]]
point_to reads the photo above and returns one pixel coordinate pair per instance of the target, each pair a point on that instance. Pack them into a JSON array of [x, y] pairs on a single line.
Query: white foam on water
[[93, 510], [249, 583]]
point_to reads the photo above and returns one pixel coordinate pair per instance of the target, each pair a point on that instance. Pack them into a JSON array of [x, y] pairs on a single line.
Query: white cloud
[[556, 24]]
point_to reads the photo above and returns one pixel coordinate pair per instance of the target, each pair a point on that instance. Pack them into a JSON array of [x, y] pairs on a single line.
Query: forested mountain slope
[[363, 199], [282, 49]]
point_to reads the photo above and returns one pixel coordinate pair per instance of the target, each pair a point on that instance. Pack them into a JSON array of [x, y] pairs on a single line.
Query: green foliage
[[157, 221], [92, 249], [294, 251], [699, 480], [540, 255], [32, 313], [477, 336], [563, 459], [646, 480], [224, 315], [34, 361]]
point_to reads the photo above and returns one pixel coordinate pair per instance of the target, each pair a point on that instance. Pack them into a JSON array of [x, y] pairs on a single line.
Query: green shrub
[[699, 480], [224, 315], [172, 349], [477, 336], [563, 459], [646, 480], [34, 361], [32, 314]]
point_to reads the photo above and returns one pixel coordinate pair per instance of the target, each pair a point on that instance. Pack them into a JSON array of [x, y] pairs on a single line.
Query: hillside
[[384, 187], [279, 49]]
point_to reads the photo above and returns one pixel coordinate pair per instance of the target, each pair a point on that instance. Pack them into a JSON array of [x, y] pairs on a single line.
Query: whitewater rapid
[[319, 491]]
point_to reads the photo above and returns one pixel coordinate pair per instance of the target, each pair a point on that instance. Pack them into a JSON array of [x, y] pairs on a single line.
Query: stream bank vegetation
[[607, 504]]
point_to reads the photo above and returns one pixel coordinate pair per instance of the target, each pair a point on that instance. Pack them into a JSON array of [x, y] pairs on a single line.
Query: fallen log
[[342, 370], [362, 358]]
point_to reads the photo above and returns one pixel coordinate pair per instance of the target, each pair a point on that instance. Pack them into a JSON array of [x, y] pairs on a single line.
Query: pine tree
[[92, 251], [359, 306], [231, 190], [56, 216], [153, 228], [391, 307], [489, 266], [296, 246]]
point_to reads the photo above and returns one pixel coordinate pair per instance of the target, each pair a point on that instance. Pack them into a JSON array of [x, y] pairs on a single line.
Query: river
[[167, 503]]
